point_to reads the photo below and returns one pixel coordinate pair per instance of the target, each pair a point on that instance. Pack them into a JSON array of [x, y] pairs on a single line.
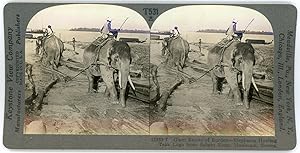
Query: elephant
[[164, 44], [113, 56], [52, 52], [39, 45], [235, 63], [178, 50]]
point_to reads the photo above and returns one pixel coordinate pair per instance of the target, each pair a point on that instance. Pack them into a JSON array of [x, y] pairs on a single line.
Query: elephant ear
[[114, 59], [134, 57], [238, 60]]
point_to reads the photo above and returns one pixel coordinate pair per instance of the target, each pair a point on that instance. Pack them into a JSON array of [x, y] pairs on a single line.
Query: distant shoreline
[[167, 32], [154, 33], [224, 31]]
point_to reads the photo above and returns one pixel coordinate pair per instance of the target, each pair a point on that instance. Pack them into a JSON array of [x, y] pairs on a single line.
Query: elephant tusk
[[243, 80], [120, 75], [254, 84], [130, 82]]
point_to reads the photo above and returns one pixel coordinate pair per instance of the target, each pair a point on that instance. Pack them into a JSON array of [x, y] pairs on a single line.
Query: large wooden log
[[265, 87], [35, 96], [162, 103]]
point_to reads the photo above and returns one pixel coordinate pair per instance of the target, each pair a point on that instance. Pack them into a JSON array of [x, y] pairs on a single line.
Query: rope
[[204, 74], [78, 74], [89, 67]]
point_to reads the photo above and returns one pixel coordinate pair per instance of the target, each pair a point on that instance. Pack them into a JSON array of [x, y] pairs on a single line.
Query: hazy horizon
[[197, 17], [199, 30], [187, 18], [86, 15]]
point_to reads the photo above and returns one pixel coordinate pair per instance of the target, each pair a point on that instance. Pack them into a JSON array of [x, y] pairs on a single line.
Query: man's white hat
[[234, 21], [108, 19]]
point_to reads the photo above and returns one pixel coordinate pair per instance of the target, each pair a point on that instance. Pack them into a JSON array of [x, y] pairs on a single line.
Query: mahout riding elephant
[[178, 50], [114, 56], [235, 64], [53, 50]]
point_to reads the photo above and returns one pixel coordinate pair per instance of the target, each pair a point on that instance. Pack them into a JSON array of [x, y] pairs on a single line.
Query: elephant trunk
[[123, 79], [243, 80], [247, 75]]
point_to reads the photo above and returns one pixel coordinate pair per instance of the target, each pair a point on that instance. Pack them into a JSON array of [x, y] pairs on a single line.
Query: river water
[[216, 37], [86, 36]]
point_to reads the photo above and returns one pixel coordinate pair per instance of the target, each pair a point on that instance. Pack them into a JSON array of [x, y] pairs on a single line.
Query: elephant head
[[237, 67], [241, 60], [120, 58], [113, 57]]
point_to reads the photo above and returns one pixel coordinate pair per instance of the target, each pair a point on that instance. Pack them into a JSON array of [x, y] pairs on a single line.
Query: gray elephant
[[235, 64], [52, 52], [114, 56], [39, 45], [178, 50]]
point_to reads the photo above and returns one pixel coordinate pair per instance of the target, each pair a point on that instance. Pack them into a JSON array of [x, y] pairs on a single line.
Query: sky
[[87, 15], [187, 18], [195, 17]]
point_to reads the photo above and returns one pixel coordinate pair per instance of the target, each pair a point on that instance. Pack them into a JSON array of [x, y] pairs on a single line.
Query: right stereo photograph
[[211, 70]]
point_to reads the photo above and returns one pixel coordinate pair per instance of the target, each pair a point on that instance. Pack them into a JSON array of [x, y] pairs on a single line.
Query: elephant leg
[[246, 91], [42, 57], [90, 81], [107, 75], [50, 63], [163, 51], [46, 61], [214, 81], [231, 78], [220, 85], [57, 60], [54, 66], [106, 92], [95, 83], [37, 49], [230, 94], [179, 67]]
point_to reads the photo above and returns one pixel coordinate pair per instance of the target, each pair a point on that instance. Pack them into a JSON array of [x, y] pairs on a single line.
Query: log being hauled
[[265, 94], [257, 41], [162, 103], [42, 93], [33, 95], [265, 89], [132, 40], [34, 101]]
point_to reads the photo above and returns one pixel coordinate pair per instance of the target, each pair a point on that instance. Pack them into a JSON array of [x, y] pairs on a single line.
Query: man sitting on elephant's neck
[[106, 32], [49, 31], [174, 32], [232, 34]]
